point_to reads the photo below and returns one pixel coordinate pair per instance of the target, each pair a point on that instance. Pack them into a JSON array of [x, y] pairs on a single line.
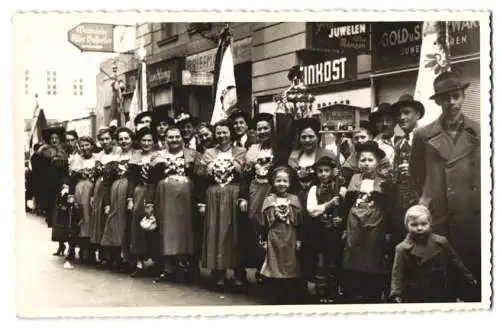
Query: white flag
[[225, 96], [133, 110], [433, 61], [144, 87]]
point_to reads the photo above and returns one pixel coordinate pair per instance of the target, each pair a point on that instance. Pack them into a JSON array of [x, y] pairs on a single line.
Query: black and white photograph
[[178, 164]]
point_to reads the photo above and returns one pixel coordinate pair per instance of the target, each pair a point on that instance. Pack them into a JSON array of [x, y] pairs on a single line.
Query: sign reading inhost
[[330, 71]]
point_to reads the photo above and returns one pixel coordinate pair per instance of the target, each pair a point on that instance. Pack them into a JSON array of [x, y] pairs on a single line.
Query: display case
[[339, 121]]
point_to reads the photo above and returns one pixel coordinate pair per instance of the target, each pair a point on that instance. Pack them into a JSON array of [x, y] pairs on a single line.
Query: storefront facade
[[198, 78], [164, 84], [181, 58], [396, 55], [334, 59]]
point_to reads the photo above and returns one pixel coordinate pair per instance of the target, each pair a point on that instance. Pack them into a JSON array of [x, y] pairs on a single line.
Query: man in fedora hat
[[384, 119], [407, 111], [445, 163]]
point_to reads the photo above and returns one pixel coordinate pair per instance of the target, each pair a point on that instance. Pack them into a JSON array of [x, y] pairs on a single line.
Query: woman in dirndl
[[255, 187], [109, 153], [221, 167], [173, 197], [367, 204], [302, 160], [142, 242], [82, 170], [115, 238]]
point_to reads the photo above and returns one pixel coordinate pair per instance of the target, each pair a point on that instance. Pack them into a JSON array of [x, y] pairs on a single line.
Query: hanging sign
[[464, 37], [330, 71], [396, 44], [339, 36]]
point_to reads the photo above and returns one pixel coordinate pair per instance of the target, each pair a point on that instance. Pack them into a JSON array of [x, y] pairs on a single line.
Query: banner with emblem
[[37, 125], [434, 59], [225, 97]]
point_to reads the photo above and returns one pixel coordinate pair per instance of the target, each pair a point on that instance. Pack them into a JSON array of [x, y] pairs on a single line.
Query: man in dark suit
[[446, 165], [408, 111], [240, 121], [384, 120]]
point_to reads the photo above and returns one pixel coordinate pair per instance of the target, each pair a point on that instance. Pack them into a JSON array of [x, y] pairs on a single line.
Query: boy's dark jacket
[[433, 274]]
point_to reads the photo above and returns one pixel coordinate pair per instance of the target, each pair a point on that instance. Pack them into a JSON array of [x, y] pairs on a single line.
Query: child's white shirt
[[367, 186], [313, 208]]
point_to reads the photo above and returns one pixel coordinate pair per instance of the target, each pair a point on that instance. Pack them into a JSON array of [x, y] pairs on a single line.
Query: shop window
[[168, 33]]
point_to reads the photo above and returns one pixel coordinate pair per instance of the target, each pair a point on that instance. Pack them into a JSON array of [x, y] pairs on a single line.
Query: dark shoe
[[258, 277], [71, 255], [164, 277], [220, 284], [60, 250]]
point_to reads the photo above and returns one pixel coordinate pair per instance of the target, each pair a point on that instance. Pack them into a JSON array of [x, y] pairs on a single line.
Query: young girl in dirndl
[[280, 235], [367, 235]]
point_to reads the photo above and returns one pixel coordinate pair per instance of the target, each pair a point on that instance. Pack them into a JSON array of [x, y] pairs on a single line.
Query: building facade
[[396, 54], [180, 64], [107, 108], [356, 64]]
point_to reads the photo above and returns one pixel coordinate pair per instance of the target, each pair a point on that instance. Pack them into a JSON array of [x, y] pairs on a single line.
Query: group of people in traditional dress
[[395, 218]]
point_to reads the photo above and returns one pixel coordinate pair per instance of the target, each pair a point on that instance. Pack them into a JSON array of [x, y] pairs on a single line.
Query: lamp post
[[118, 89]]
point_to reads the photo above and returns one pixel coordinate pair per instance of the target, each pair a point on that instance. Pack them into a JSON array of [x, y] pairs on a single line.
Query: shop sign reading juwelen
[[397, 44], [339, 36], [330, 71]]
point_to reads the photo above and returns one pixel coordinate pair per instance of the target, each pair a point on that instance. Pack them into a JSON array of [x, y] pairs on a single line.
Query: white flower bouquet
[[223, 171], [175, 166], [263, 165], [122, 169], [148, 223], [282, 209]]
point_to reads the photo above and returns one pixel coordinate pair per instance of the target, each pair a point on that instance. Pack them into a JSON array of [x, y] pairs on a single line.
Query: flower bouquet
[[364, 199], [122, 168], [86, 173], [223, 171], [148, 223], [175, 168], [98, 169], [282, 209], [303, 173], [263, 165]]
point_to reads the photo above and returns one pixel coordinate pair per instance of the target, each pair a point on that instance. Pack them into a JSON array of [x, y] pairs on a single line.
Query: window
[[168, 32], [26, 82], [51, 83], [78, 87]]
